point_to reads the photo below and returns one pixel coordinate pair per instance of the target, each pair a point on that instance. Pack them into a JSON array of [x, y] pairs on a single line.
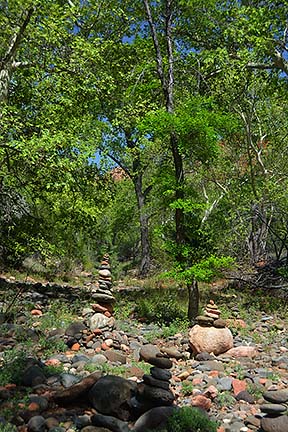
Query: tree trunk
[[193, 301], [144, 231]]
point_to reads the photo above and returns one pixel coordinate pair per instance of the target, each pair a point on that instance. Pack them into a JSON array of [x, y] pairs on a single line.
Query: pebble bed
[[242, 393]]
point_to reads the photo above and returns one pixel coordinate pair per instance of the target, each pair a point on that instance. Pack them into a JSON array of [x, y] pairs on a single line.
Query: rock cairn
[[275, 410], [103, 293], [210, 334], [155, 389], [211, 316]]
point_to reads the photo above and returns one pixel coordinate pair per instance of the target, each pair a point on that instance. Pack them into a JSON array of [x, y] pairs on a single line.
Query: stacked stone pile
[[103, 292], [210, 334], [155, 389], [211, 316], [275, 409]]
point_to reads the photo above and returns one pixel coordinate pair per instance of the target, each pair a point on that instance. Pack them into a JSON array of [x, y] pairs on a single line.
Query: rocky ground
[[75, 384]]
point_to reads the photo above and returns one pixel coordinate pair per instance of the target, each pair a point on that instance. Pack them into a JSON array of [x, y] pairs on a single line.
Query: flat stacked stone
[[275, 410], [155, 388], [103, 293]]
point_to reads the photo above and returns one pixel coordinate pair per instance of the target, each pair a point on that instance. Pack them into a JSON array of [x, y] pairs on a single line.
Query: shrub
[[190, 419]]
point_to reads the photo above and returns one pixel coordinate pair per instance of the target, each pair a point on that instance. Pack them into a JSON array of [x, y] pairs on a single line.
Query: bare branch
[[159, 60]]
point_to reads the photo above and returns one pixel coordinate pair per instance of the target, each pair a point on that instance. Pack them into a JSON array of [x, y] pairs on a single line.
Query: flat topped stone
[[271, 408], [275, 424], [219, 323], [157, 396], [161, 362], [212, 315], [160, 374], [276, 396], [104, 273], [205, 320], [153, 382]]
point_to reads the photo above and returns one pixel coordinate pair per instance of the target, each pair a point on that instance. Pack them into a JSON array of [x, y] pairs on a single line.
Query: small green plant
[[176, 326], [255, 390], [11, 371], [7, 427], [187, 388], [106, 369], [49, 347], [225, 399], [189, 419], [53, 370], [161, 309]]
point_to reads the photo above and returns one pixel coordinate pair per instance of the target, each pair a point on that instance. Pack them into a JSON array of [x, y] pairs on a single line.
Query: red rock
[[201, 402], [214, 373], [236, 323], [176, 379], [134, 371], [10, 386], [211, 392], [75, 347], [104, 346], [89, 338], [52, 362], [99, 308], [33, 406], [107, 314], [242, 351], [97, 332], [36, 312], [238, 386], [221, 429], [197, 381]]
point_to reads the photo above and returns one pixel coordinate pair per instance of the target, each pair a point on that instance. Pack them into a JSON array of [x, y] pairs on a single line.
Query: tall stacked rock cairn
[[103, 293], [275, 411], [155, 390], [210, 334]]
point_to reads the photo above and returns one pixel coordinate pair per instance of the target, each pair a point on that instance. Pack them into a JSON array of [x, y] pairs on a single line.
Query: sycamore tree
[[45, 168]]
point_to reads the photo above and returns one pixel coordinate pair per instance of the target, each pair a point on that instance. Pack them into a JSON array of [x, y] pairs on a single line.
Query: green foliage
[[7, 427], [225, 399], [203, 271], [207, 269], [163, 310], [187, 388], [188, 419], [13, 364]]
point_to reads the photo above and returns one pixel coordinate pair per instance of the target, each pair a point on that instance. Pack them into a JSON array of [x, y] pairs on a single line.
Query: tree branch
[[159, 60], [16, 39]]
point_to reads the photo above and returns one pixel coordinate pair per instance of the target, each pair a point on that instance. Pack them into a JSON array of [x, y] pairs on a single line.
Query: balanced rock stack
[[155, 388], [211, 316], [103, 293], [210, 334], [275, 409]]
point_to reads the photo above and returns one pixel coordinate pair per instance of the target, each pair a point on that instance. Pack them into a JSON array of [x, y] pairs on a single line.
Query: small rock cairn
[[210, 334], [155, 389], [103, 293], [211, 317], [275, 409]]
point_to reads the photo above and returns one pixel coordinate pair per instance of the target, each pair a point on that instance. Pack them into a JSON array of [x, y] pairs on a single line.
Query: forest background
[[154, 131]]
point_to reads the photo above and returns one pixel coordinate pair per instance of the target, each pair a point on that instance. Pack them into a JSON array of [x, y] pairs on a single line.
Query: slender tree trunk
[[193, 301], [144, 229], [166, 78]]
